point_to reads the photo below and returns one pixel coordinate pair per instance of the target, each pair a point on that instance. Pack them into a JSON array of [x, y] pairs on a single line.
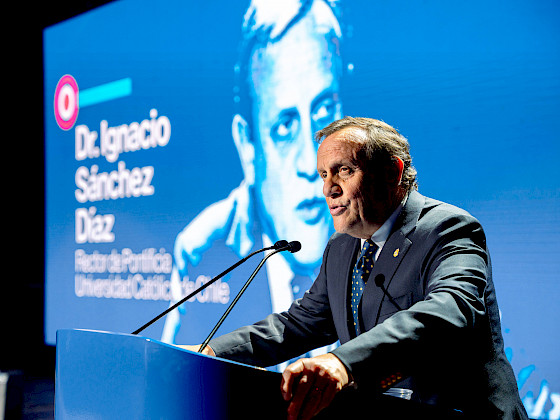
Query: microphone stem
[[228, 310], [201, 288], [395, 304]]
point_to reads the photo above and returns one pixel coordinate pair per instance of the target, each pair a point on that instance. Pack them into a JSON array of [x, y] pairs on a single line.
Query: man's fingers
[[311, 395], [311, 384], [207, 350], [289, 377], [305, 405], [327, 395], [303, 390]]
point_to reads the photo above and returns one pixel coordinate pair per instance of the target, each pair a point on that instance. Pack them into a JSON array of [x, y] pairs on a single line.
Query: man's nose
[[330, 188]]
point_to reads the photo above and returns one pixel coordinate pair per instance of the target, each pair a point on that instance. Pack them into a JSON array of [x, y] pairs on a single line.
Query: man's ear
[[245, 147], [397, 172]]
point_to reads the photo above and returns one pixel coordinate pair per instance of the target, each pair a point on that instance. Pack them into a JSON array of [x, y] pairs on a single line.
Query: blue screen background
[[474, 87]]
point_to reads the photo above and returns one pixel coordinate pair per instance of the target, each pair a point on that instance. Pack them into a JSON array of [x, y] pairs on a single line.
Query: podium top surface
[[111, 375]]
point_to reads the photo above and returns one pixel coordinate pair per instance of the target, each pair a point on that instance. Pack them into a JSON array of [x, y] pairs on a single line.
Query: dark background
[[22, 296]]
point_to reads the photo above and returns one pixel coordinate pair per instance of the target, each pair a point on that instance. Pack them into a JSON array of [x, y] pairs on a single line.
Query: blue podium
[[103, 375]]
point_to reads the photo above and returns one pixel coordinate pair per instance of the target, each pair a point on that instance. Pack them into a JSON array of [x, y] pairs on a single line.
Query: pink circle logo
[[66, 104]]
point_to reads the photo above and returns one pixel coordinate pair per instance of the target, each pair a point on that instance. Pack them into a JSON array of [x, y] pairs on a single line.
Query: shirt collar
[[381, 235]]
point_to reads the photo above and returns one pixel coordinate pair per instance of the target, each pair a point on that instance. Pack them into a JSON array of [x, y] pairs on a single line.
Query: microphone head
[[280, 244], [294, 246], [379, 280]]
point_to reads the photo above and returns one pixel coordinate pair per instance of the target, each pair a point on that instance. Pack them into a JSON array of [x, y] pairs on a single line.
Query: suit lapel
[[390, 258], [347, 253]]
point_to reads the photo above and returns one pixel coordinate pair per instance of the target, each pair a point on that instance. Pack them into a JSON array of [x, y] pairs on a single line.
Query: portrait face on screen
[[295, 93]]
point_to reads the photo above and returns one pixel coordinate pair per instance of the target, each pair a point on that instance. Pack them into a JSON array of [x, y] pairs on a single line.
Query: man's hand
[[311, 384], [207, 350]]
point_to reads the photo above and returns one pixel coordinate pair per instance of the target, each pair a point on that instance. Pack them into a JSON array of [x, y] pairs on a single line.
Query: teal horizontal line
[[105, 92]]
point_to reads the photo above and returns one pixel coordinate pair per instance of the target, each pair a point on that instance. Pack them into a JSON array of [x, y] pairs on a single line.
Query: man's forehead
[[342, 145]]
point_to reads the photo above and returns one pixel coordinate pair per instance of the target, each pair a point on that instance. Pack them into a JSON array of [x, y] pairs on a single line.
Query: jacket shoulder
[[436, 212]]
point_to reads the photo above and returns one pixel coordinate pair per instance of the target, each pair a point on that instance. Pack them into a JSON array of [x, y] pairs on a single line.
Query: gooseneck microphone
[[293, 246], [278, 246]]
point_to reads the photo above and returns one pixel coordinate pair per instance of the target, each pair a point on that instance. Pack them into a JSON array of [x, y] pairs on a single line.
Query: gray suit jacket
[[445, 343]]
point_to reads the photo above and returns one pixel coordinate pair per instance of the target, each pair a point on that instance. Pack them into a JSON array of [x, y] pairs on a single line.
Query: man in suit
[[427, 320]]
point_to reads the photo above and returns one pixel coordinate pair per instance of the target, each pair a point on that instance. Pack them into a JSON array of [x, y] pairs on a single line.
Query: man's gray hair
[[381, 144]]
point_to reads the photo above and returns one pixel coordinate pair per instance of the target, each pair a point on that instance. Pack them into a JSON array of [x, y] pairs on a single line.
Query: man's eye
[[286, 128]]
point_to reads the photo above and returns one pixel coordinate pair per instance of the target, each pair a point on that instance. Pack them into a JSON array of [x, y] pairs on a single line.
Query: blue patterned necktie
[[363, 267]]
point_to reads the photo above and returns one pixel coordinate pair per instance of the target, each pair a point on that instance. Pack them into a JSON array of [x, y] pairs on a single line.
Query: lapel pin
[[396, 253]]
